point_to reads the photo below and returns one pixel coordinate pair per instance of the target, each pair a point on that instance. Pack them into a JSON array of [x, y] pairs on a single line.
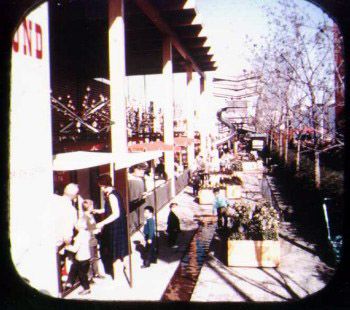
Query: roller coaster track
[[227, 123]]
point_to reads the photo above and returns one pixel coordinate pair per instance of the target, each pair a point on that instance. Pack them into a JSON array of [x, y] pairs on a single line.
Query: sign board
[[257, 144]]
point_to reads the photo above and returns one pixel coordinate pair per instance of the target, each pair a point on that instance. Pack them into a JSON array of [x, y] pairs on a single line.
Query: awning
[[80, 160], [151, 146], [183, 141], [131, 159], [83, 160]]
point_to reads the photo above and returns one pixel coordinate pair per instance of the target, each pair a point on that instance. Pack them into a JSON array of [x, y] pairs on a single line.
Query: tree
[[298, 70]]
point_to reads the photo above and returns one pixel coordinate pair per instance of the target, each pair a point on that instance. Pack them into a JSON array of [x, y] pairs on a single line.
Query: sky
[[229, 21]]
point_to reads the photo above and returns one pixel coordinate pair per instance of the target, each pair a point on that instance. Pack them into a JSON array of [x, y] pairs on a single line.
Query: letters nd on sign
[[29, 39]]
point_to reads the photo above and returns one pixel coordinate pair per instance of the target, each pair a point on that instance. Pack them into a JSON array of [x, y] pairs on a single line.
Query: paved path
[[150, 283], [300, 273]]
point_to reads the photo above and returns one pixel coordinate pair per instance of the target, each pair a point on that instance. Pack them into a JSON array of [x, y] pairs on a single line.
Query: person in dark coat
[[149, 231], [114, 237], [196, 181], [173, 228]]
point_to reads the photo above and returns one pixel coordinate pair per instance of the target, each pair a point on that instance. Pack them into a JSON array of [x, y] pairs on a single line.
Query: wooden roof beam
[[154, 15], [174, 5], [200, 51], [190, 31], [194, 42]]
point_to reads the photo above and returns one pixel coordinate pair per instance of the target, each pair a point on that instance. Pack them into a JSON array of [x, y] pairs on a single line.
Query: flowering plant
[[234, 180], [212, 186], [237, 165], [254, 222]]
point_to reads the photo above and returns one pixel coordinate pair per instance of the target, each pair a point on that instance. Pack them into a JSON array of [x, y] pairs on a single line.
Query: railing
[[158, 198], [181, 181]]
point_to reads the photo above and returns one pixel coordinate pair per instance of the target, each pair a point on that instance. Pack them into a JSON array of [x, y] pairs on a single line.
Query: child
[[81, 262], [220, 205], [173, 226], [88, 207], [150, 238]]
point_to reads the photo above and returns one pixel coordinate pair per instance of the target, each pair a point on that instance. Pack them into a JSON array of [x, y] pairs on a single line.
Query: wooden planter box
[[234, 191], [215, 178], [249, 166], [206, 196], [251, 253]]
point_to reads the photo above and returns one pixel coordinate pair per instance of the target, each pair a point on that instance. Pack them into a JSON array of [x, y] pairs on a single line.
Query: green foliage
[[212, 186], [234, 180], [236, 165], [254, 222]]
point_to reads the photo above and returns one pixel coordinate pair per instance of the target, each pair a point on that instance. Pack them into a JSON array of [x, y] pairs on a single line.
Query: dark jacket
[[149, 229], [173, 223]]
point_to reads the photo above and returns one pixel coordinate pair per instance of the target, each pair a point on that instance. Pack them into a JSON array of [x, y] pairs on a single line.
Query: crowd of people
[[84, 234], [87, 232]]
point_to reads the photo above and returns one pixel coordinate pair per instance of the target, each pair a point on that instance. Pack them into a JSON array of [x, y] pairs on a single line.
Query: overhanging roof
[[131, 159], [148, 21], [151, 146], [83, 160], [80, 160]]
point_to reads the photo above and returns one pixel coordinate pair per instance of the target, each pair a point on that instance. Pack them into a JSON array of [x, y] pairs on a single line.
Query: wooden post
[[128, 225], [155, 206], [168, 110]]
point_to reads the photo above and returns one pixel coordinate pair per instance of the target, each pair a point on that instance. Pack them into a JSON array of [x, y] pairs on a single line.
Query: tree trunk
[[280, 144], [297, 162], [270, 142], [286, 145], [317, 170]]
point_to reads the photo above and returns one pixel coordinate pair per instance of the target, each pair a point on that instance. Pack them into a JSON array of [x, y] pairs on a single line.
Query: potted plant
[[249, 163], [206, 195], [233, 187], [253, 239], [236, 165]]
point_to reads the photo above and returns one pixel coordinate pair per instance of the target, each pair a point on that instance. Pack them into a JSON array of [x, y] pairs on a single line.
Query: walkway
[[300, 273], [151, 283]]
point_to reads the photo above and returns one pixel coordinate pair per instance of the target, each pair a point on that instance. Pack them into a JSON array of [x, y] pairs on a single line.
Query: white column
[[32, 213], [118, 94], [190, 99], [116, 40], [202, 123], [168, 110]]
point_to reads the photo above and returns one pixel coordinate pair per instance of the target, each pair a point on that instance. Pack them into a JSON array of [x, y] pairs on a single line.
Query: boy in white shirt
[[81, 262]]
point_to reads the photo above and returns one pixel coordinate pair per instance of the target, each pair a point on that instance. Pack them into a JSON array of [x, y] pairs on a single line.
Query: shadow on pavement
[[236, 276], [166, 253]]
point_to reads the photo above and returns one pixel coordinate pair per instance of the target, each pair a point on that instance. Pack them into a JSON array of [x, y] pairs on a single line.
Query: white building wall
[[31, 185]]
